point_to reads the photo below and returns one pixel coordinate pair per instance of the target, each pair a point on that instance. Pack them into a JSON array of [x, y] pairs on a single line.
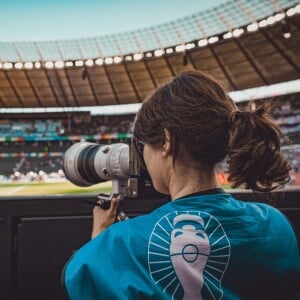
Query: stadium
[[57, 93]]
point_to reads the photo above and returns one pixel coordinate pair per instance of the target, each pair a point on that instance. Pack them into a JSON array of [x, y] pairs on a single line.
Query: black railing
[[39, 233]]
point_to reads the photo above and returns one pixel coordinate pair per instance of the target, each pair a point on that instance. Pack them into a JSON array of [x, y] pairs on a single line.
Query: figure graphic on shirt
[[189, 252]]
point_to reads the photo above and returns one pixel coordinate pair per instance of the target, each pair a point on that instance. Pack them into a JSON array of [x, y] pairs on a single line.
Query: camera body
[[87, 163]]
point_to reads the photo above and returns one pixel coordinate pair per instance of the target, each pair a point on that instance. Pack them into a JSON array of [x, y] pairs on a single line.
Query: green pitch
[[41, 188]]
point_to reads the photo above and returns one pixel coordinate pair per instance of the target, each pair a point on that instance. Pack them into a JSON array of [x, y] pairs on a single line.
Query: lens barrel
[[86, 164]]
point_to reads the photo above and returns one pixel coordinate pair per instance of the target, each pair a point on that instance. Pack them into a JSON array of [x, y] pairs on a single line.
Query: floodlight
[[99, 61], [37, 65], [270, 20], [137, 56], [213, 39], [79, 63], [279, 17], [69, 64], [227, 35], [237, 32], [108, 60], [7, 65], [290, 12], [128, 58], [252, 27], [202, 43], [180, 48], [286, 30], [169, 50], [49, 64], [189, 46], [89, 62], [117, 59], [263, 23], [28, 65], [18, 65], [59, 64], [158, 52], [148, 54]]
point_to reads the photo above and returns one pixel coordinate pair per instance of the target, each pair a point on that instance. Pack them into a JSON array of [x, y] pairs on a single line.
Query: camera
[[87, 163]]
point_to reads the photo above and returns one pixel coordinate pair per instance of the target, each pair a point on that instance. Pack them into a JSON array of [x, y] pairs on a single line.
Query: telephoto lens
[[86, 163]]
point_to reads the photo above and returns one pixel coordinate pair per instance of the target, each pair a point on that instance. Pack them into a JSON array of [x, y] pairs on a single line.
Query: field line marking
[[15, 190]]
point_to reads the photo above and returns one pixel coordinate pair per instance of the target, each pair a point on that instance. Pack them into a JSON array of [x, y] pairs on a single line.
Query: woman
[[204, 244]]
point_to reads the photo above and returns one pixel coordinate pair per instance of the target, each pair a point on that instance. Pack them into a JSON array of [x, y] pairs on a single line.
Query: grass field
[[41, 188]]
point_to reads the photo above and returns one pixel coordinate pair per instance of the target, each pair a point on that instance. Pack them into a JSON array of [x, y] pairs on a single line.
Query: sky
[[38, 20]]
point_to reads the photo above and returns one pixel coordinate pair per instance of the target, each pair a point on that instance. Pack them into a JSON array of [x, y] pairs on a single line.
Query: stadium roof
[[227, 16], [243, 43]]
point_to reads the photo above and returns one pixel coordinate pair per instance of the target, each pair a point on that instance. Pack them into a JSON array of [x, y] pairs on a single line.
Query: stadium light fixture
[[286, 30], [148, 54], [69, 64], [213, 39], [237, 32], [99, 61], [108, 60], [252, 27], [59, 64], [89, 62], [189, 46], [290, 12], [180, 48], [18, 65], [49, 64], [227, 35], [158, 52], [137, 56], [128, 58], [28, 65], [202, 43], [7, 65], [278, 17], [117, 59], [263, 23], [271, 20], [37, 65], [79, 63], [297, 9], [169, 50], [1, 65]]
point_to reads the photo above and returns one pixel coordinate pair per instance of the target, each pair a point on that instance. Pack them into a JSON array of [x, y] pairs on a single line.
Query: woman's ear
[[166, 148]]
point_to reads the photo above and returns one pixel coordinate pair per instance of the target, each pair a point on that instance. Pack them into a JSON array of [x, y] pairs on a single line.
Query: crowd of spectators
[[46, 155]]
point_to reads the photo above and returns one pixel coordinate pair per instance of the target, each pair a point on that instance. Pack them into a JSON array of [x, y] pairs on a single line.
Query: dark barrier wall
[[38, 235]]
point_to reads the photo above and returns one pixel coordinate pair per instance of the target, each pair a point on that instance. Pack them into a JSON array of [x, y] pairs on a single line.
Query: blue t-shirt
[[198, 247]]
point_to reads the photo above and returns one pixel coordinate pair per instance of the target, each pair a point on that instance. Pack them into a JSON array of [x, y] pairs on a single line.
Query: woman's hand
[[103, 218]]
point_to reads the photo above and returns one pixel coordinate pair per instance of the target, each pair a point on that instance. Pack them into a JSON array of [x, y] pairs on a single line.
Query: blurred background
[[77, 71]]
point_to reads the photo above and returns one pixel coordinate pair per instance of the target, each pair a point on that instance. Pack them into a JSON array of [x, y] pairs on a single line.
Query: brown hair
[[205, 124]]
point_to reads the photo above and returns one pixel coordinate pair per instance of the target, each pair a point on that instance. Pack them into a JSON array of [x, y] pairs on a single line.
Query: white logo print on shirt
[[188, 253]]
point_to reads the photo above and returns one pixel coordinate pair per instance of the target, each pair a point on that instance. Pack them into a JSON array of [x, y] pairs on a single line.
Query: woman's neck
[[189, 181]]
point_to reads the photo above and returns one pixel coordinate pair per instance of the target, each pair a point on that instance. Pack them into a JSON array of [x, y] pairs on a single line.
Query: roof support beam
[[251, 62], [33, 89], [61, 87], [169, 65], [13, 88], [150, 74], [132, 82], [88, 76], [111, 84], [189, 56], [282, 53], [221, 66], [71, 86], [51, 86]]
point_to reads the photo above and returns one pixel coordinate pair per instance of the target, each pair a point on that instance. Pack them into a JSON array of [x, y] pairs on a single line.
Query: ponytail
[[254, 157]]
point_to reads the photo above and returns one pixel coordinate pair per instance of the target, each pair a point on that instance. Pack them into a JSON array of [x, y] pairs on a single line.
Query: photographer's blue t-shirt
[[198, 247]]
